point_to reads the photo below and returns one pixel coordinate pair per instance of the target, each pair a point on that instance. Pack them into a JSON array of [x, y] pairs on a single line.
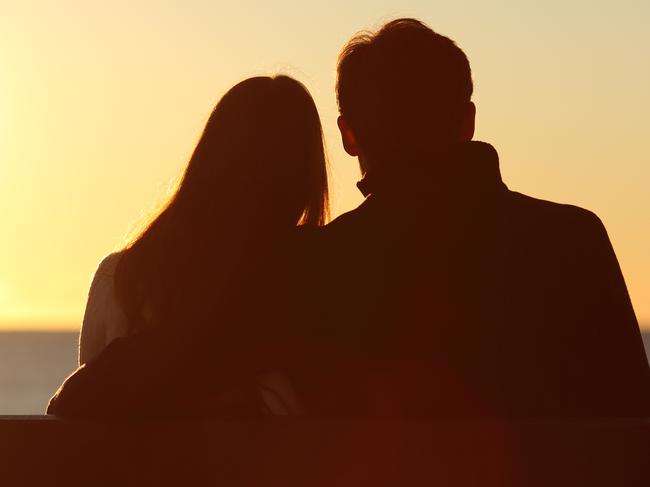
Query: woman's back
[[208, 269], [164, 372]]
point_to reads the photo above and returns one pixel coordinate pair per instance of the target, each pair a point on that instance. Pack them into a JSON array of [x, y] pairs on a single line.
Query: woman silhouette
[[258, 171]]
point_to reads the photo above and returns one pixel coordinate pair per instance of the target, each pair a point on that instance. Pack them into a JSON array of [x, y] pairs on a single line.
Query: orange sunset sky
[[101, 104]]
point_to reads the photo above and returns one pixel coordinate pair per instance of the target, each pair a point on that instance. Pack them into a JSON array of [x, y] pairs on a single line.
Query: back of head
[[261, 157], [403, 90]]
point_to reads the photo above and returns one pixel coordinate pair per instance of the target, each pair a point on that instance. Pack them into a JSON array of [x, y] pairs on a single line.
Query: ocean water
[[33, 365]]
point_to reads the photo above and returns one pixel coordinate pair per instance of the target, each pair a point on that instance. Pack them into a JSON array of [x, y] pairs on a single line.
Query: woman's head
[[262, 155], [258, 170]]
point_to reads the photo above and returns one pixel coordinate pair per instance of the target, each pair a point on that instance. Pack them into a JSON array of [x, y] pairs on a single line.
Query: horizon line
[[69, 327]]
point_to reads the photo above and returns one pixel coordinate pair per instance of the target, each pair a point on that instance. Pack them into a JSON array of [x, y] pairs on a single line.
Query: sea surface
[[33, 365]]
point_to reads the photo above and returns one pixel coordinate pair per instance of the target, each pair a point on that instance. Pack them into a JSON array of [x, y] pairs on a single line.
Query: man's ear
[[347, 136], [469, 123]]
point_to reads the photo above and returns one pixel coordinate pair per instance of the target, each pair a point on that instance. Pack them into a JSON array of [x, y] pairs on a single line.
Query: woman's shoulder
[[103, 318], [104, 278], [108, 264]]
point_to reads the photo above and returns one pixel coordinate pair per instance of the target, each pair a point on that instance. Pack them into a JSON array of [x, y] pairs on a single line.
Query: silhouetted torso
[[454, 296], [222, 357]]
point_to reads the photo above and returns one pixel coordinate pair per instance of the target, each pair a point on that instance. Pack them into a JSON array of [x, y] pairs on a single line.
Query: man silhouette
[[447, 293]]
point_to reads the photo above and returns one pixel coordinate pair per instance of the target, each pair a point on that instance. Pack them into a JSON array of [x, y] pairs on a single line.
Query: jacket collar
[[468, 167]]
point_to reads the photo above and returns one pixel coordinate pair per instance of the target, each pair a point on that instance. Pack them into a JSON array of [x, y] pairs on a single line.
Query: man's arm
[[160, 373], [623, 374], [125, 380]]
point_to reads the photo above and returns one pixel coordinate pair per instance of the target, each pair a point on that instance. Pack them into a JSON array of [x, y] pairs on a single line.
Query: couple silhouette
[[444, 294]]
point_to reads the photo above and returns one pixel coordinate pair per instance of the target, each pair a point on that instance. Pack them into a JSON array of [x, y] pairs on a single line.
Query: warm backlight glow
[[101, 104]]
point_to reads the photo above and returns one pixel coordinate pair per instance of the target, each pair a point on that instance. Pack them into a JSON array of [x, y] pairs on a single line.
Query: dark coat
[[451, 295]]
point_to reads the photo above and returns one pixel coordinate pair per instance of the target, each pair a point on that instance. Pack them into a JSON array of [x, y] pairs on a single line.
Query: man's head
[[403, 92]]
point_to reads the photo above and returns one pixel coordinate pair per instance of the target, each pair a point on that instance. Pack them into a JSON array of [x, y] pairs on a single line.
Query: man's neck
[[470, 165]]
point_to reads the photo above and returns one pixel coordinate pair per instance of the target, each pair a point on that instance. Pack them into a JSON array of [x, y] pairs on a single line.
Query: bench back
[[325, 452]]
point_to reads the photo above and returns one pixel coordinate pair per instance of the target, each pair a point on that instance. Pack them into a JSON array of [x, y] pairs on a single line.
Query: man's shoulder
[[534, 210], [547, 214]]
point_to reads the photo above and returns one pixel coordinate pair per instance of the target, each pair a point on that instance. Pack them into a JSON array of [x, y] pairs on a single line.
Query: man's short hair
[[402, 89]]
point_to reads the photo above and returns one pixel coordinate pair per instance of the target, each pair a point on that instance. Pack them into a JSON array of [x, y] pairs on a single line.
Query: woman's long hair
[[258, 170]]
